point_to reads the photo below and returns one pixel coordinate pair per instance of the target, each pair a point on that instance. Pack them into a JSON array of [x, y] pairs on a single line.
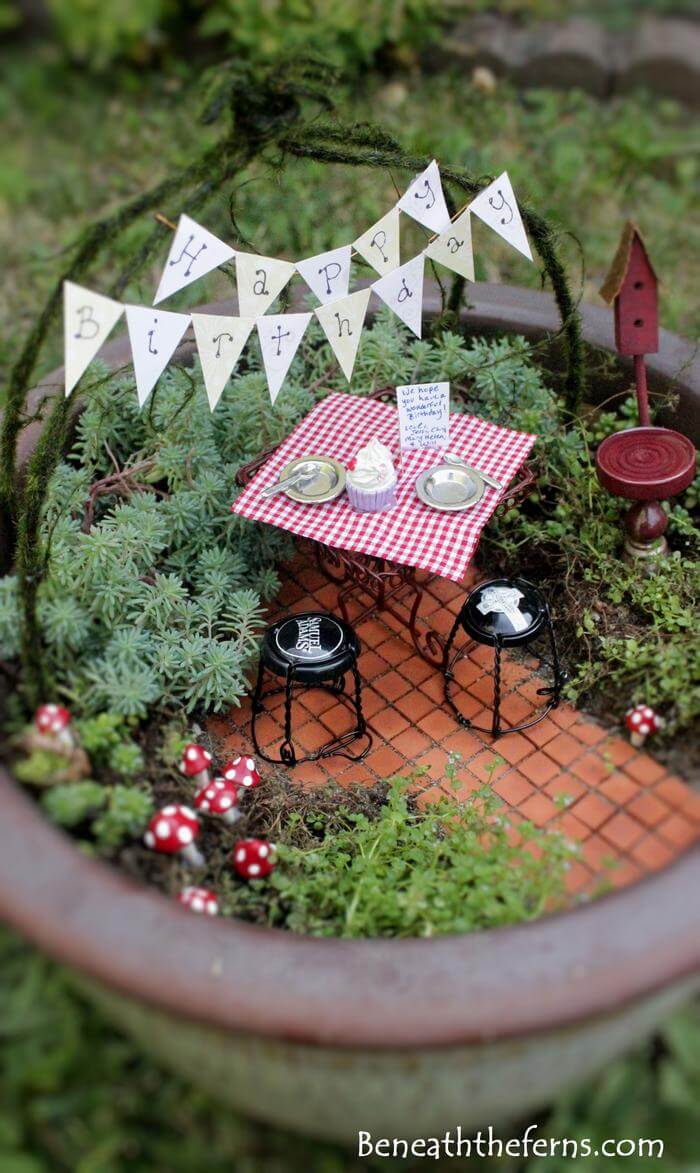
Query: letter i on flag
[[193, 253], [496, 206], [154, 335], [342, 323], [280, 335], [88, 318]]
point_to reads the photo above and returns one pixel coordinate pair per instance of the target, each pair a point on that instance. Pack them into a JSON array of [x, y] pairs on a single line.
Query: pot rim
[[371, 994]]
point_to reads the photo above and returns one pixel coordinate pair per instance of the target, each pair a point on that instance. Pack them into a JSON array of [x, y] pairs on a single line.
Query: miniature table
[[378, 555]]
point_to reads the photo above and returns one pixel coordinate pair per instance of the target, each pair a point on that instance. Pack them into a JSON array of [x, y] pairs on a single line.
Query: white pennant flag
[[260, 280], [87, 320], [280, 335], [328, 274], [453, 247], [154, 335], [220, 341], [379, 245], [424, 200], [496, 206], [193, 253], [342, 322], [402, 291]]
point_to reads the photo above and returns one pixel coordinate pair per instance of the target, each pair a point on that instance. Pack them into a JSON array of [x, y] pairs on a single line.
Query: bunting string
[[154, 333]]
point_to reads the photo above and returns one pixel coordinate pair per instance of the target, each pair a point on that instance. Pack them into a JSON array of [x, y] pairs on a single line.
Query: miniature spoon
[[295, 478], [451, 458]]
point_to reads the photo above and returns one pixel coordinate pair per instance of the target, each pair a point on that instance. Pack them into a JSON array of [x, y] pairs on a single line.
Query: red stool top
[[646, 464]]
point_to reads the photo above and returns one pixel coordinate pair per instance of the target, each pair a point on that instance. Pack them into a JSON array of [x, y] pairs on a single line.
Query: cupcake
[[371, 479]]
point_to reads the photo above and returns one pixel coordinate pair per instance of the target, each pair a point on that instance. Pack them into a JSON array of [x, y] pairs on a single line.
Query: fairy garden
[[151, 560]]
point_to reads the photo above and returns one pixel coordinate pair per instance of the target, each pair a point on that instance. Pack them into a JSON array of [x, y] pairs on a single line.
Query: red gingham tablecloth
[[412, 533]]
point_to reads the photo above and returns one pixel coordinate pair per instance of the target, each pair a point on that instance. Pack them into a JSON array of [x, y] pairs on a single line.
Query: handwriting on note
[[424, 415]]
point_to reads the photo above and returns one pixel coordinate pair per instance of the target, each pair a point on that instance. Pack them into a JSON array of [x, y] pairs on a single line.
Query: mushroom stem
[[193, 857], [231, 816]]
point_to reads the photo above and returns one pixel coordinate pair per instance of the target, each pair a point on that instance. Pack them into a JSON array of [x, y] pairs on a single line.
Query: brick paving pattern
[[629, 815]]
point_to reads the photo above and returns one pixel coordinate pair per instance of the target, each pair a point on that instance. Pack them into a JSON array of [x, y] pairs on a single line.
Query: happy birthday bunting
[[154, 335], [280, 335], [88, 318], [342, 323], [260, 280], [453, 247], [379, 245], [220, 341], [496, 206], [424, 200], [328, 274], [402, 291], [193, 253]]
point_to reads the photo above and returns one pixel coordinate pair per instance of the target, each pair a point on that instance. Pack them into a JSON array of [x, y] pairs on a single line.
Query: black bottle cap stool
[[504, 613], [311, 650]]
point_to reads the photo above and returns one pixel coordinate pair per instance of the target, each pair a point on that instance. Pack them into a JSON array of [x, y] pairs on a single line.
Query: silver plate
[[450, 487], [327, 483]]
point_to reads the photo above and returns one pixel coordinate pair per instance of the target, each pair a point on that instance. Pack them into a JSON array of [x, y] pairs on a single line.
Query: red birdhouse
[[632, 285]]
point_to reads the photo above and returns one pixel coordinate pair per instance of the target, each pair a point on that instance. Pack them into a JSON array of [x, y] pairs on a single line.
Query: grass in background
[[76, 1097]]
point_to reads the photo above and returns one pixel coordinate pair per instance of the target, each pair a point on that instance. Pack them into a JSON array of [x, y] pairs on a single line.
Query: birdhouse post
[[632, 286], [645, 464]]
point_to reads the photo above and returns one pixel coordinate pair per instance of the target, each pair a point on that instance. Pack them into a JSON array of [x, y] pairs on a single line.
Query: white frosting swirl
[[374, 467]]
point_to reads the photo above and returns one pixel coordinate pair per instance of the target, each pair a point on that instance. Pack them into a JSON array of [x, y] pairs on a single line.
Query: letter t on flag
[[193, 253]]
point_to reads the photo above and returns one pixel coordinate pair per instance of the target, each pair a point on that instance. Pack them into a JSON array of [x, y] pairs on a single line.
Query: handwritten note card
[[424, 415]]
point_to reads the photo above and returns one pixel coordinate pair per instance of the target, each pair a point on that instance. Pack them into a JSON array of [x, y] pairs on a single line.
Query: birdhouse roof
[[618, 269]]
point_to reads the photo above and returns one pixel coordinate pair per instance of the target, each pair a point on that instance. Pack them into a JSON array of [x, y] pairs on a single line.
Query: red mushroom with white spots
[[199, 900], [173, 831], [641, 721], [53, 722], [243, 772], [254, 859], [195, 763], [219, 798]]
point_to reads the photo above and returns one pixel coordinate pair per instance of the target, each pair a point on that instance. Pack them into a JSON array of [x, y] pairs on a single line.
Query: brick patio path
[[622, 805]]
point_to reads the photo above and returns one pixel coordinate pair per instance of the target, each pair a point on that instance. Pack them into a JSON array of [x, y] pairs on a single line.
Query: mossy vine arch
[[262, 112]]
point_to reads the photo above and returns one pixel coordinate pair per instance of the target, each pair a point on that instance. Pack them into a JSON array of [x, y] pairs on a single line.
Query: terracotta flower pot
[[405, 1038]]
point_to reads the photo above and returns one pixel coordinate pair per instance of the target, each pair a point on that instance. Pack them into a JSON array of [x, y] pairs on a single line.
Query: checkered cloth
[[412, 533]]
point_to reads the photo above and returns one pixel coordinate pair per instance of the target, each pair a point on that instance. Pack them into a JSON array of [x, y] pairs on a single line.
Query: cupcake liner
[[371, 500]]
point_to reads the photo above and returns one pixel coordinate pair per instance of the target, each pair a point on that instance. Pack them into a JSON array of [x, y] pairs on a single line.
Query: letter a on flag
[[154, 335], [342, 322], [87, 320], [260, 280], [402, 291], [496, 206], [280, 335], [193, 253], [220, 342], [453, 247]]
